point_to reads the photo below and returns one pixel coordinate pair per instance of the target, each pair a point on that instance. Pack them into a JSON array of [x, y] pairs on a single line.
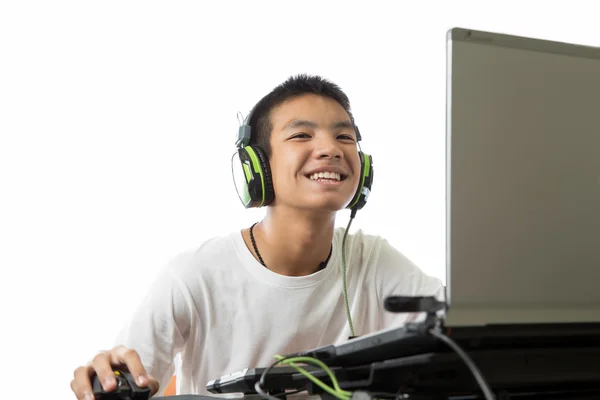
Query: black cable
[[278, 396], [305, 388], [262, 393], [487, 393], [385, 395], [259, 386]]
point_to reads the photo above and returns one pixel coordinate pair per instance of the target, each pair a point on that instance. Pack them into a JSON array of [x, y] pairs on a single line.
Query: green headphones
[[252, 174]]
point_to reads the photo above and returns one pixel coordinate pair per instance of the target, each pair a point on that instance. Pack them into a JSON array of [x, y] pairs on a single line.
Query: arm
[[396, 275], [160, 325]]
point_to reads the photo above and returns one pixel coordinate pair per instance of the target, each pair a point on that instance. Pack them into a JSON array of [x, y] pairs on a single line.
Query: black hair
[[294, 86]]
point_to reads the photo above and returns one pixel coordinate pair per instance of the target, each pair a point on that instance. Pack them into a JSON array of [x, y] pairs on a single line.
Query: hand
[[103, 364]]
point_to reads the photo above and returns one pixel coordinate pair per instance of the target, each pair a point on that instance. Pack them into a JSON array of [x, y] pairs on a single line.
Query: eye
[[346, 137], [300, 136]]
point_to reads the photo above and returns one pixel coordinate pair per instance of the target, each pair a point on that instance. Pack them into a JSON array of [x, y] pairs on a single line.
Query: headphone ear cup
[[252, 177], [266, 169], [363, 190]]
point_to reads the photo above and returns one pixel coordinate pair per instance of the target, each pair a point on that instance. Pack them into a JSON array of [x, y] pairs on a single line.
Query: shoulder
[[372, 249], [215, 253], [387, 266], [358, 243], [369, 249], [184, 282]]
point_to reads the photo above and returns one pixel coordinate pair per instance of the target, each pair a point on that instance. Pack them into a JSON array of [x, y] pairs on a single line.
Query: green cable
[[336, 391], [321, 364], [344, 276]]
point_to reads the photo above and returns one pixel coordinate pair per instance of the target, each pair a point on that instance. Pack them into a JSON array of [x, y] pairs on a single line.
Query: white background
[[117, 122]]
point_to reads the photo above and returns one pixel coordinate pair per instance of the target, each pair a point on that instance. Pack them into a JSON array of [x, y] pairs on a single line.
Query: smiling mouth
[[329, 177]]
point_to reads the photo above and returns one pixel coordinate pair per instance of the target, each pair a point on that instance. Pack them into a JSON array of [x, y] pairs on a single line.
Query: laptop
[[523, 202], [523, 180]]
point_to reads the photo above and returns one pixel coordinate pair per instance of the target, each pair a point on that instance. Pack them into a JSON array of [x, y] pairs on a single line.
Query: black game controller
[[126, 388]]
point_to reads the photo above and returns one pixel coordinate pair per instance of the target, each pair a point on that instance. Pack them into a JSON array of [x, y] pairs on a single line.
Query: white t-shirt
[[221, 311]]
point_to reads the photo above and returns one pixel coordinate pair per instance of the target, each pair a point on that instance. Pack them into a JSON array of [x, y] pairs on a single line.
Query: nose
[[328, 147]]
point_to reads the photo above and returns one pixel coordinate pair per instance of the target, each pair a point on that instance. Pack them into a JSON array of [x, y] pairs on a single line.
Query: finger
[[103, 368], [130, 358], [81, 384], [153, 385]]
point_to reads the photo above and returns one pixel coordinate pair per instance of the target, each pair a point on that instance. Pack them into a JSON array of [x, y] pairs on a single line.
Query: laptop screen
[[523, 180]]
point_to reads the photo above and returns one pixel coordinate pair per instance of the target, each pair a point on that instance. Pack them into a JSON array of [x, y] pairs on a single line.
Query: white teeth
[[326, 175]]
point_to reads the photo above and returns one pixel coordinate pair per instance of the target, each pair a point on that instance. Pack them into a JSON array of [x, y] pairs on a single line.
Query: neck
[[293, 243]]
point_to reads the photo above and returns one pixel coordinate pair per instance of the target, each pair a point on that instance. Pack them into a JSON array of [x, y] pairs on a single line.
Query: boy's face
[[313, 133]]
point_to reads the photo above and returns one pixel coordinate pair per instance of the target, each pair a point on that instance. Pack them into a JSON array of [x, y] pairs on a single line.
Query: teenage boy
[[276, 287]]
